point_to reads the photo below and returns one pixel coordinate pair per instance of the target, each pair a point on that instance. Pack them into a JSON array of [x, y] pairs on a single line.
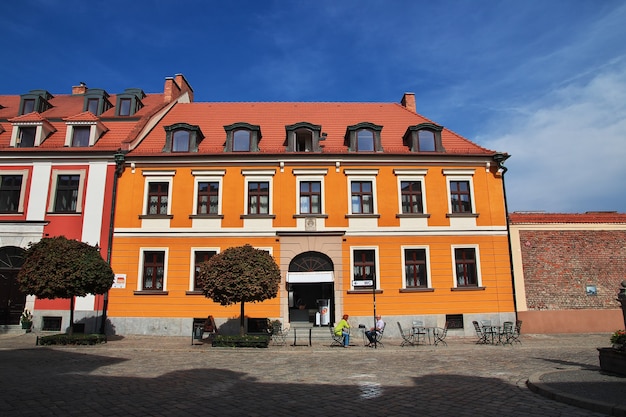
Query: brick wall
[[559, 264]]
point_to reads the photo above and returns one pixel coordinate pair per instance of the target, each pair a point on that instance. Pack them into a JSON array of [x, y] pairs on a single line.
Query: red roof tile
[[588, 217]]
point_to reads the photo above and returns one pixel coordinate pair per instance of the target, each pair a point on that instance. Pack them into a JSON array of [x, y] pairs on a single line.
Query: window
[[241, 141], [199, 257], [465, 267], [124, 106], [182, 137], [10, 193], [411, 196], [27, 137], [242, 137], [158, 193], [29, 106], [80, 136], [92, 105], [180, 141], [66, 197], [258, 197], [425, 137], [415, 273], [35, 101], [310, 197], [208, 197], [153, 270], [362, 197], [460, 201], [365, 140], [304, 137], [364, 137], [364, 268], [96, 101]]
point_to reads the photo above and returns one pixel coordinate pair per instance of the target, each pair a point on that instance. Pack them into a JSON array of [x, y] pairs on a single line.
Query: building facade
[[362, 205], [568, 268], [58, 160]]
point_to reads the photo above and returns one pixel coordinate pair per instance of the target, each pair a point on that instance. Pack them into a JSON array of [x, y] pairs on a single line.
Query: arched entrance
[[12, 300], [310, 284]]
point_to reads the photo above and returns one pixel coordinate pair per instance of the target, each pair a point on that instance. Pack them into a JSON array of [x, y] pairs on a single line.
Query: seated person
[[371, 333], [343, 329]]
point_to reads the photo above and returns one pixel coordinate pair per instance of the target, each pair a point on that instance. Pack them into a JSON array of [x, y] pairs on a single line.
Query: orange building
[[355, 201]]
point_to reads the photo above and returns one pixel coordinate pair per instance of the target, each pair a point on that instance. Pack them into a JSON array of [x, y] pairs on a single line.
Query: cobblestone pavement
[[167, 376]]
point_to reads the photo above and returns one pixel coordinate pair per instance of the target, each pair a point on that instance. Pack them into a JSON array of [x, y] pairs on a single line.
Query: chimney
[[79, 89], [175, 87], [408, 101]]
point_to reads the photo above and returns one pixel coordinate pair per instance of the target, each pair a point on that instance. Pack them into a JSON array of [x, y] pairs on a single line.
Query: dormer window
[[129, 102], [30, 130], [242, 137], [96, 101], [425, 137], [35, 101], [83, 130], [26, 137], [303, 137], [364, 137], [182, 137]]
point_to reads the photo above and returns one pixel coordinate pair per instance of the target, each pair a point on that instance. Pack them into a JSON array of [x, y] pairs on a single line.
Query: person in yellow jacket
[[343, 329]]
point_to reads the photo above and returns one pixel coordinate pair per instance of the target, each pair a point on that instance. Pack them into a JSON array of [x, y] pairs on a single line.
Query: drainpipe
[[499, 159], [119, 158]]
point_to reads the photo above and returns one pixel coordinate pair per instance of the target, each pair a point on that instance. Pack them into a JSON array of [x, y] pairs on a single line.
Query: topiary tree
[[58, 267], [238, 275]]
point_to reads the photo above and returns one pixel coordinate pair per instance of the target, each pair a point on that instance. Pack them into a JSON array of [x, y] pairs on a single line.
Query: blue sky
[[544, 81]]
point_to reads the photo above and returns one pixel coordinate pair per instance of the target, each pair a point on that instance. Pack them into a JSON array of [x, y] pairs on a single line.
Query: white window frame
[[96, 130], [259, 176], [208, 176], [158, 176], [192, 262], [376, 259], [460, 175], [479, 279], [428, 275], [310, 175], [24, 174], [140, 276], [416, 175], [43, 129], [82, 173], [362, 175]]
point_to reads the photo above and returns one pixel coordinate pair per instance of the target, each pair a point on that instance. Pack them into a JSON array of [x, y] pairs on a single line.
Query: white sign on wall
[[119, 281]]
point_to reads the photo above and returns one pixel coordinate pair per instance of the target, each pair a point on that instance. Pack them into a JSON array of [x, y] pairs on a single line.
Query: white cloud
[[568, 150]]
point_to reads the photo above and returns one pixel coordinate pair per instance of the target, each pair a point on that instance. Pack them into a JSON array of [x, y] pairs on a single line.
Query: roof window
[[35, 101], [425, 137], [129, 102]]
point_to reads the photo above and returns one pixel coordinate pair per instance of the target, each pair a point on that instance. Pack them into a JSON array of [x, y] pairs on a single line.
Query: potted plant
[[27, 320], [613, 359]]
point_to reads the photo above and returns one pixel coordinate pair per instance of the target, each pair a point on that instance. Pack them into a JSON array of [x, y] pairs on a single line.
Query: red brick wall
[[559, 264]]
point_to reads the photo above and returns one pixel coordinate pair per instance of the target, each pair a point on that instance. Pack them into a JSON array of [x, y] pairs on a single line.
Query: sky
[[544, 81]]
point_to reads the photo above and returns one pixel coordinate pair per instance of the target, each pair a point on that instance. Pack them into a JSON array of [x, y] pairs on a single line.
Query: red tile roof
[[272, 117], [588, 217]]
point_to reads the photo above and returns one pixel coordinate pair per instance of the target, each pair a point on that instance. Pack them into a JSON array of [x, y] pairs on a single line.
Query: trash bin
[[323, 305]]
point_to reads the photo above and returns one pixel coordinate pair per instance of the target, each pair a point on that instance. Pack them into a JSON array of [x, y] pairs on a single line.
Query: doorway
[[12, 300], [310, 285]]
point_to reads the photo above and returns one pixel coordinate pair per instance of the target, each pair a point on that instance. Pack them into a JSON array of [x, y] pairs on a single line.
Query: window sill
[[413, 216], [364, 291], [468, 289], [462, 215], [194, 292], [307, 215], [363, 216], [150, 292], [417, 290], [206, 216], [156, 216], [63, 213], [257, 216]]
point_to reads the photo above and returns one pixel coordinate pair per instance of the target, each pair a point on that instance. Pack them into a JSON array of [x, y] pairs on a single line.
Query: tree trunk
[[241, 321], [71, 331]]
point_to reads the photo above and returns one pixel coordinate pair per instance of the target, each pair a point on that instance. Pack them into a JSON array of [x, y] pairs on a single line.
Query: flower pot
[[26, 325], [612, 360]]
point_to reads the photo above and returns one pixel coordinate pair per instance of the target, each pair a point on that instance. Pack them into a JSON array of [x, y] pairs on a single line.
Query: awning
[[309, 277]]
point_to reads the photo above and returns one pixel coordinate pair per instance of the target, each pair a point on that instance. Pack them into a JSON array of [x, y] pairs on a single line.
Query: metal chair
[[378, 335], [419, 331], [280, 333], [337, 340], [440, 334], [482, 337], [507, 332], [407, 338], [517, 331]]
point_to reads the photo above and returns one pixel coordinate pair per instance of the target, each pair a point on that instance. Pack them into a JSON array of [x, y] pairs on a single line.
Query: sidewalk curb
[[535, 384]]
